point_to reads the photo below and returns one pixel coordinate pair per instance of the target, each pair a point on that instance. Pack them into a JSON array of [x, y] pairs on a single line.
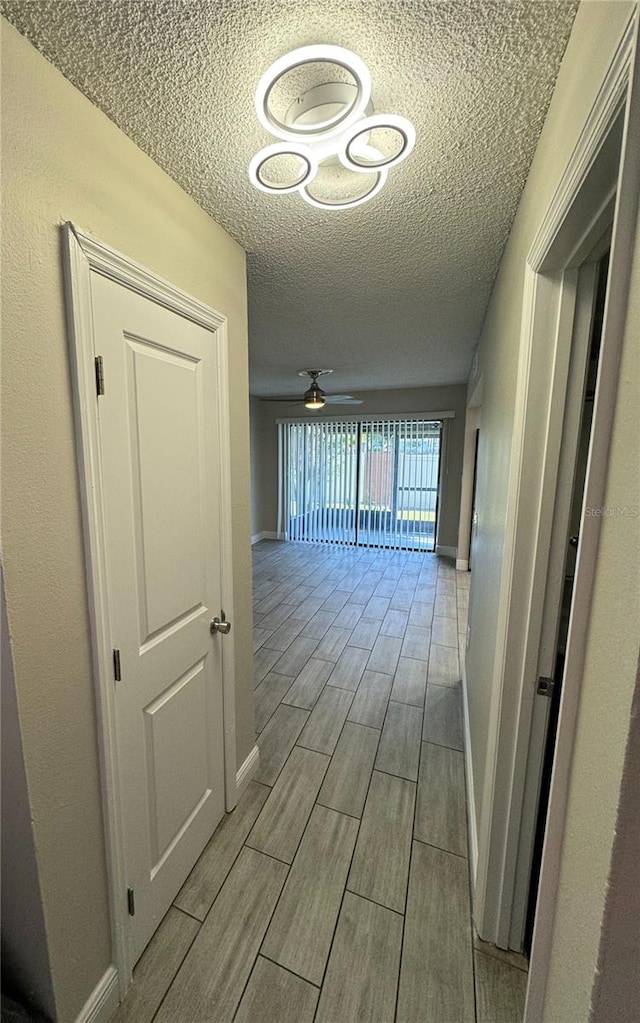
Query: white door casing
[[154, 465]]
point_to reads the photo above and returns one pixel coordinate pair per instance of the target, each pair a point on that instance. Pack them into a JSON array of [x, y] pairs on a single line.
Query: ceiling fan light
[[308, 167], [365, 159], [322, 53], [316, 402]]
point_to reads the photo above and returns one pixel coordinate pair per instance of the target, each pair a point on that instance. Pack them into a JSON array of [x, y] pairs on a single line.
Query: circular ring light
[[378, 184], [393, 122], [313, 55], [303, 153]]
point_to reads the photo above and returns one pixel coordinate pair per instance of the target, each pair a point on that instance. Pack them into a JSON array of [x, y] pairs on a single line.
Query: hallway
[[338, 889]]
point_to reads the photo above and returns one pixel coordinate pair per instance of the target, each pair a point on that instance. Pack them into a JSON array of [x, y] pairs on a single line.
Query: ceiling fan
[[314, 397]]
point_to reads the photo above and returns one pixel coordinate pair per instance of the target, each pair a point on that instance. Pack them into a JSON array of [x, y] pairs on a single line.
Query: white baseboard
[[103, 1000], [266, 535], [449, 552], [247, 771], [471, 802], [462, 565]]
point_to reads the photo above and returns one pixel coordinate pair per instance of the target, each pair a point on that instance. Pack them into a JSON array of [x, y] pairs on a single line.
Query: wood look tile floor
[[338, 889]]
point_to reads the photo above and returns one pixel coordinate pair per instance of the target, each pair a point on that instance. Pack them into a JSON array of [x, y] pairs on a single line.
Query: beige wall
[[64, 160], [613, 643], [258, 514], [419, 399]]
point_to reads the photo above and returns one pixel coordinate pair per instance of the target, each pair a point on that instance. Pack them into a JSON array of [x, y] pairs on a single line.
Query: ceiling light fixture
[[317, 101], [314, 397]]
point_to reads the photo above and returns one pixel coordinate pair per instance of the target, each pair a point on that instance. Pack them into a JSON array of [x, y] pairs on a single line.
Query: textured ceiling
[[391, 294]]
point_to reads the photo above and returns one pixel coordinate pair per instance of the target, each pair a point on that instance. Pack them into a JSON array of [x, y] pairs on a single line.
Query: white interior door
[[158, 435]]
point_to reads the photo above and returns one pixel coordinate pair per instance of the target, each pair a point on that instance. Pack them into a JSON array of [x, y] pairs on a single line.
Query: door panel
[[159, 459], [165, 410]]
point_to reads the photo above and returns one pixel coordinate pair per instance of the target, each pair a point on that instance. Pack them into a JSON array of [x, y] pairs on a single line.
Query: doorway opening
[[553, 685]]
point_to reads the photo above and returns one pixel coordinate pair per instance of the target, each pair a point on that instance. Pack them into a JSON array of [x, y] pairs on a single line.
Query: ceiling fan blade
[[292, 401], [342, 399]]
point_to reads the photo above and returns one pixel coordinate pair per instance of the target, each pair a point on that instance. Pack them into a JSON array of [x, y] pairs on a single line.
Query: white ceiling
[[392, 294]]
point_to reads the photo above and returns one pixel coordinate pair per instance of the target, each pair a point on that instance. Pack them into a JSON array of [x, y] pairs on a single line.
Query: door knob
[[220, 624]]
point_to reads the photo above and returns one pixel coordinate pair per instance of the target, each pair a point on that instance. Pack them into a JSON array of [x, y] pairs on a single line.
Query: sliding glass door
[[368, 483], [398, 487]]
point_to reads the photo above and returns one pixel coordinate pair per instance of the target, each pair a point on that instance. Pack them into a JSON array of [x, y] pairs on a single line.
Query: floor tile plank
[[416, 642], [269, 695], [349, 668], [305, 611], [421, 614], [306, 689], [365, 633], [157, 967], [410, 681], [284, 816], [399, 749], [300, 933], [277, 740], [370, 702], [444, 631], [500, 990], [394, 623], [362, 976], [322, 730], [443, 665], [274, 994], [381, 859], [333, 643], [211, 980], [285, 635], [443, 717], [347, 779], [293, 660], [440, 810], [436, 976], [376, 607], [263, 661], [207, 877], [385, 654], [317, 626]]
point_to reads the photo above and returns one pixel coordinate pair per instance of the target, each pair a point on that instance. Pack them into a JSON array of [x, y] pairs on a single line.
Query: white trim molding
[[247, 770], [447, 552], [103, 1000], [471, 799], [462, 565], [82, 256], [266, 535]]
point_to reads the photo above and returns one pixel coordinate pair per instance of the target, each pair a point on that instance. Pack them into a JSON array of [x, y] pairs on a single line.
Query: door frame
[[596, 187], [83, 255]]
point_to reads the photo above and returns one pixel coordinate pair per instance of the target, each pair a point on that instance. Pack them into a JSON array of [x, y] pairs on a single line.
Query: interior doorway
[[583, 375]]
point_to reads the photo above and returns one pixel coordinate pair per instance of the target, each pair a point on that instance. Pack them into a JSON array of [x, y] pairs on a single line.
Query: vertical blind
[[371, 483]]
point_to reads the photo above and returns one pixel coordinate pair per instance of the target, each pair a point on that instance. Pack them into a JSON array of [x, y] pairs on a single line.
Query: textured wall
[[598, 756], [422, 399], [64, 160]]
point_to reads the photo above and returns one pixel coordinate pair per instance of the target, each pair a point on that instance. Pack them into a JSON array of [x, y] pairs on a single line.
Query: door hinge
[[117, 673], [545, 686], [99, 374], [131, 902]]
